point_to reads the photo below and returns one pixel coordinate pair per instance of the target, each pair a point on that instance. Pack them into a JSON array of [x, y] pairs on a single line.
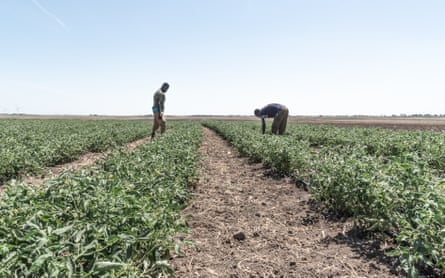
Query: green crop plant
[[117, 218], [28, 145], [387, 181]]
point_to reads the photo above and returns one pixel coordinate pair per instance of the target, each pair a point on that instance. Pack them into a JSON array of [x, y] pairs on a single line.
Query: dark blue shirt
[[270, 110]]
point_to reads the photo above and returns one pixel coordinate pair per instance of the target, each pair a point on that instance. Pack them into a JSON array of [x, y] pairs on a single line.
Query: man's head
[[164, 87], [257, 112]]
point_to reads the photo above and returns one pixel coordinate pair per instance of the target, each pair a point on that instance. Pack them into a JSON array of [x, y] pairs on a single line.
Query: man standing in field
[[158, 109], [278, 112]]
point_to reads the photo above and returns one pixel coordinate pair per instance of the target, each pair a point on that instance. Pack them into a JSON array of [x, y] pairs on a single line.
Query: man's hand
[[161, 115]]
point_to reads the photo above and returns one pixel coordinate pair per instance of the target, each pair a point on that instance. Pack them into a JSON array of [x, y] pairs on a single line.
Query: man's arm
[[161, 106], [263, 125], [159, 110], [156, 100], [158, 107]]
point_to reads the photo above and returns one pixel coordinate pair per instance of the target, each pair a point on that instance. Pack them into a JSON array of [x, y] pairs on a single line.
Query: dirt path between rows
[[83, 161], [248, 224]]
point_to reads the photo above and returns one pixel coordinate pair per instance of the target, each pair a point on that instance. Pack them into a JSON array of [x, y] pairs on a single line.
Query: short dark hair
[[165, 87]]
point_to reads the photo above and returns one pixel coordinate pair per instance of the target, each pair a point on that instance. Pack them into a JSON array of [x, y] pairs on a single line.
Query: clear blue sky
[[318, 57]]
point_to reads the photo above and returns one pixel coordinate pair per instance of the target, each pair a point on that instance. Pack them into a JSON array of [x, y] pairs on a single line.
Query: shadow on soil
[[365, 244]]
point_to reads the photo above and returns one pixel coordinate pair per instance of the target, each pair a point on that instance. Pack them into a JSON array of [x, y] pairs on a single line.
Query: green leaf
[[62, 230], [104, 266]]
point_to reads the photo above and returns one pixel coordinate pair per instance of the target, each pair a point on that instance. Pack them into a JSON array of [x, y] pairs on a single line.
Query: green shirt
[[159, 100]]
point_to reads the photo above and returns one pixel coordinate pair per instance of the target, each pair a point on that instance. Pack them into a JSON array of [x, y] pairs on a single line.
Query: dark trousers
[[280, 121], [158, 122]]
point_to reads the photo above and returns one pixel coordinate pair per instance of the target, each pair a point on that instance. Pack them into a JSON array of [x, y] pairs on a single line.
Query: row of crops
[[116, 218], [387, 181], [27, 146], [119, 216]]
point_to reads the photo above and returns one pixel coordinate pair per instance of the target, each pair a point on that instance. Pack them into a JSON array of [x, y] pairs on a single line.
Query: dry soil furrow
[[246, 224]]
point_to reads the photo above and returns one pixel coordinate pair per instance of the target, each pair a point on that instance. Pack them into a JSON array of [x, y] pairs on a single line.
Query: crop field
[[122, 215], [29, 145], [116, 218], [389, 182]]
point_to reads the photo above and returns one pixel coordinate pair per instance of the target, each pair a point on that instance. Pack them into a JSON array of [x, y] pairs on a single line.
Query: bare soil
[[394, 123], [246, 223]]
